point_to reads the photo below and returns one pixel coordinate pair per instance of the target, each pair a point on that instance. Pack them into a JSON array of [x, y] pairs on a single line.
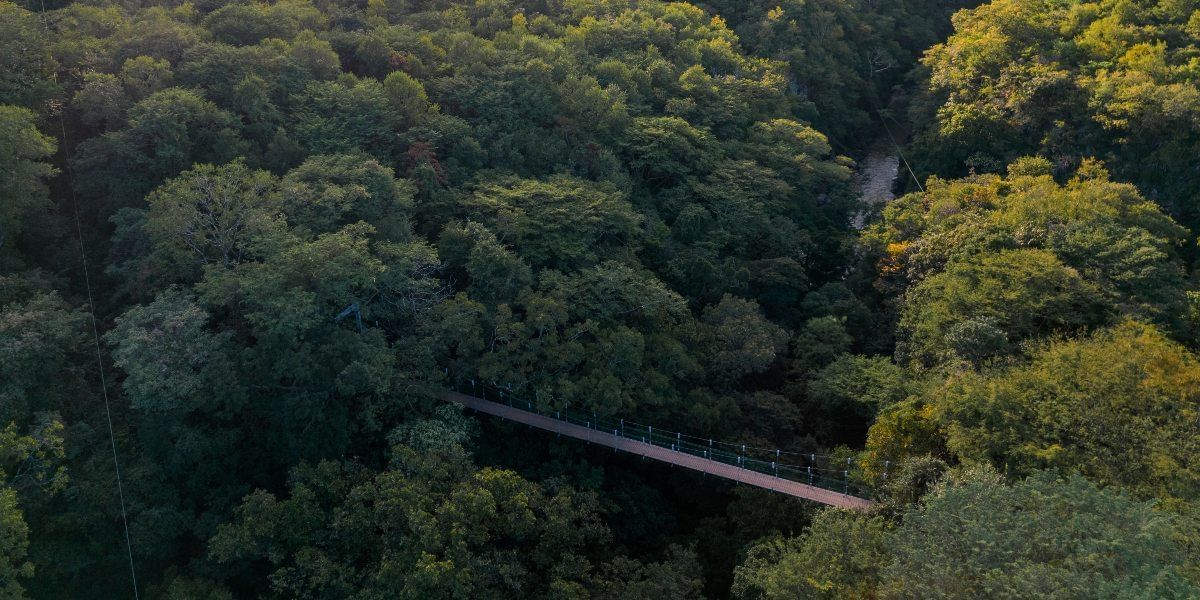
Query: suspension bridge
[[733, 462]]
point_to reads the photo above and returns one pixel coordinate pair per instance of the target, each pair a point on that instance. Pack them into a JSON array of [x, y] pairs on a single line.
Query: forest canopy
[[246, 247]]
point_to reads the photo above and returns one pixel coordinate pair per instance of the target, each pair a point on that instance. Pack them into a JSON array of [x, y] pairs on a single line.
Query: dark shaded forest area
[[244, 247]]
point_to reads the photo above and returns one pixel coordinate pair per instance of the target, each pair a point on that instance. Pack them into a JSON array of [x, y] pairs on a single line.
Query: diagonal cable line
[[112, 438]]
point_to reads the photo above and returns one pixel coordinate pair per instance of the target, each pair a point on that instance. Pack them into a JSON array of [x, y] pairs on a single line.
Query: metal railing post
[[707, 451]]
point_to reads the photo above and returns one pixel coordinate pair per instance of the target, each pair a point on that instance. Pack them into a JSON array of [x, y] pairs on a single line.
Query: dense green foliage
[[972, 537], [254, 242], [1116, 407], [1111, 79], [985, 263]]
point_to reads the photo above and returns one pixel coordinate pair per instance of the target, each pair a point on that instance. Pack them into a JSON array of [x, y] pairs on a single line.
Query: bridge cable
[[704, 444], [837, 479], [701, 441], [899, 152], [95, 328]]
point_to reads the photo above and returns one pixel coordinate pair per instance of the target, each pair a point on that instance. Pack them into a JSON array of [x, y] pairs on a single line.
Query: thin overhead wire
[[899, 152], [103, 382], [733, 448], [112, 438], [846, 477]]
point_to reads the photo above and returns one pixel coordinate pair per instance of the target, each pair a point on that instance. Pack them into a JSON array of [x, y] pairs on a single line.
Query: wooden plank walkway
[[682, 459]]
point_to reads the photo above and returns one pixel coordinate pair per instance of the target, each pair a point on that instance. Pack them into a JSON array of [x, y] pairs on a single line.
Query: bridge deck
[[682, 459]]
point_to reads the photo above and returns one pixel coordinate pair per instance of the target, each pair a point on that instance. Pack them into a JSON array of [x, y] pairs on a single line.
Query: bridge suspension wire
[[808, 458], [899, 151], [112, 438], [843, 474]]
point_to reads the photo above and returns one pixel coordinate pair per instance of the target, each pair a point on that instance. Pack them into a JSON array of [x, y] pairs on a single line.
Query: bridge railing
[[837, 473]]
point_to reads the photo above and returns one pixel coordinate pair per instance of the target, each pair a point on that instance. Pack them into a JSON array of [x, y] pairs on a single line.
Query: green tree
[[1108, 232], [24, 200], [407, 96], [14, 544], [331, 191], [243, 24], [1067, 80], [840, 555], [27, 66], [1026, 293], [1044, 537], [167, 133], [26, 461], [873, 382], [563, 223], [668, 148], [677, 576], [214, 215], [1116, 406], [740, 340], [312, 216], [497, 275], [41, 345], [346, 116], [431, 526], [1075, 255], [170, 360], [820, 342], [853, 389]]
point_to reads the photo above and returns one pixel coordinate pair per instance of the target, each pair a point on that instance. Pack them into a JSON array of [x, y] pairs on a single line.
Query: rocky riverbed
[[875, 180]]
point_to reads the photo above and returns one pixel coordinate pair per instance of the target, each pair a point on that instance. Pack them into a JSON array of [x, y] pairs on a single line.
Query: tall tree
[[24, 198]]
